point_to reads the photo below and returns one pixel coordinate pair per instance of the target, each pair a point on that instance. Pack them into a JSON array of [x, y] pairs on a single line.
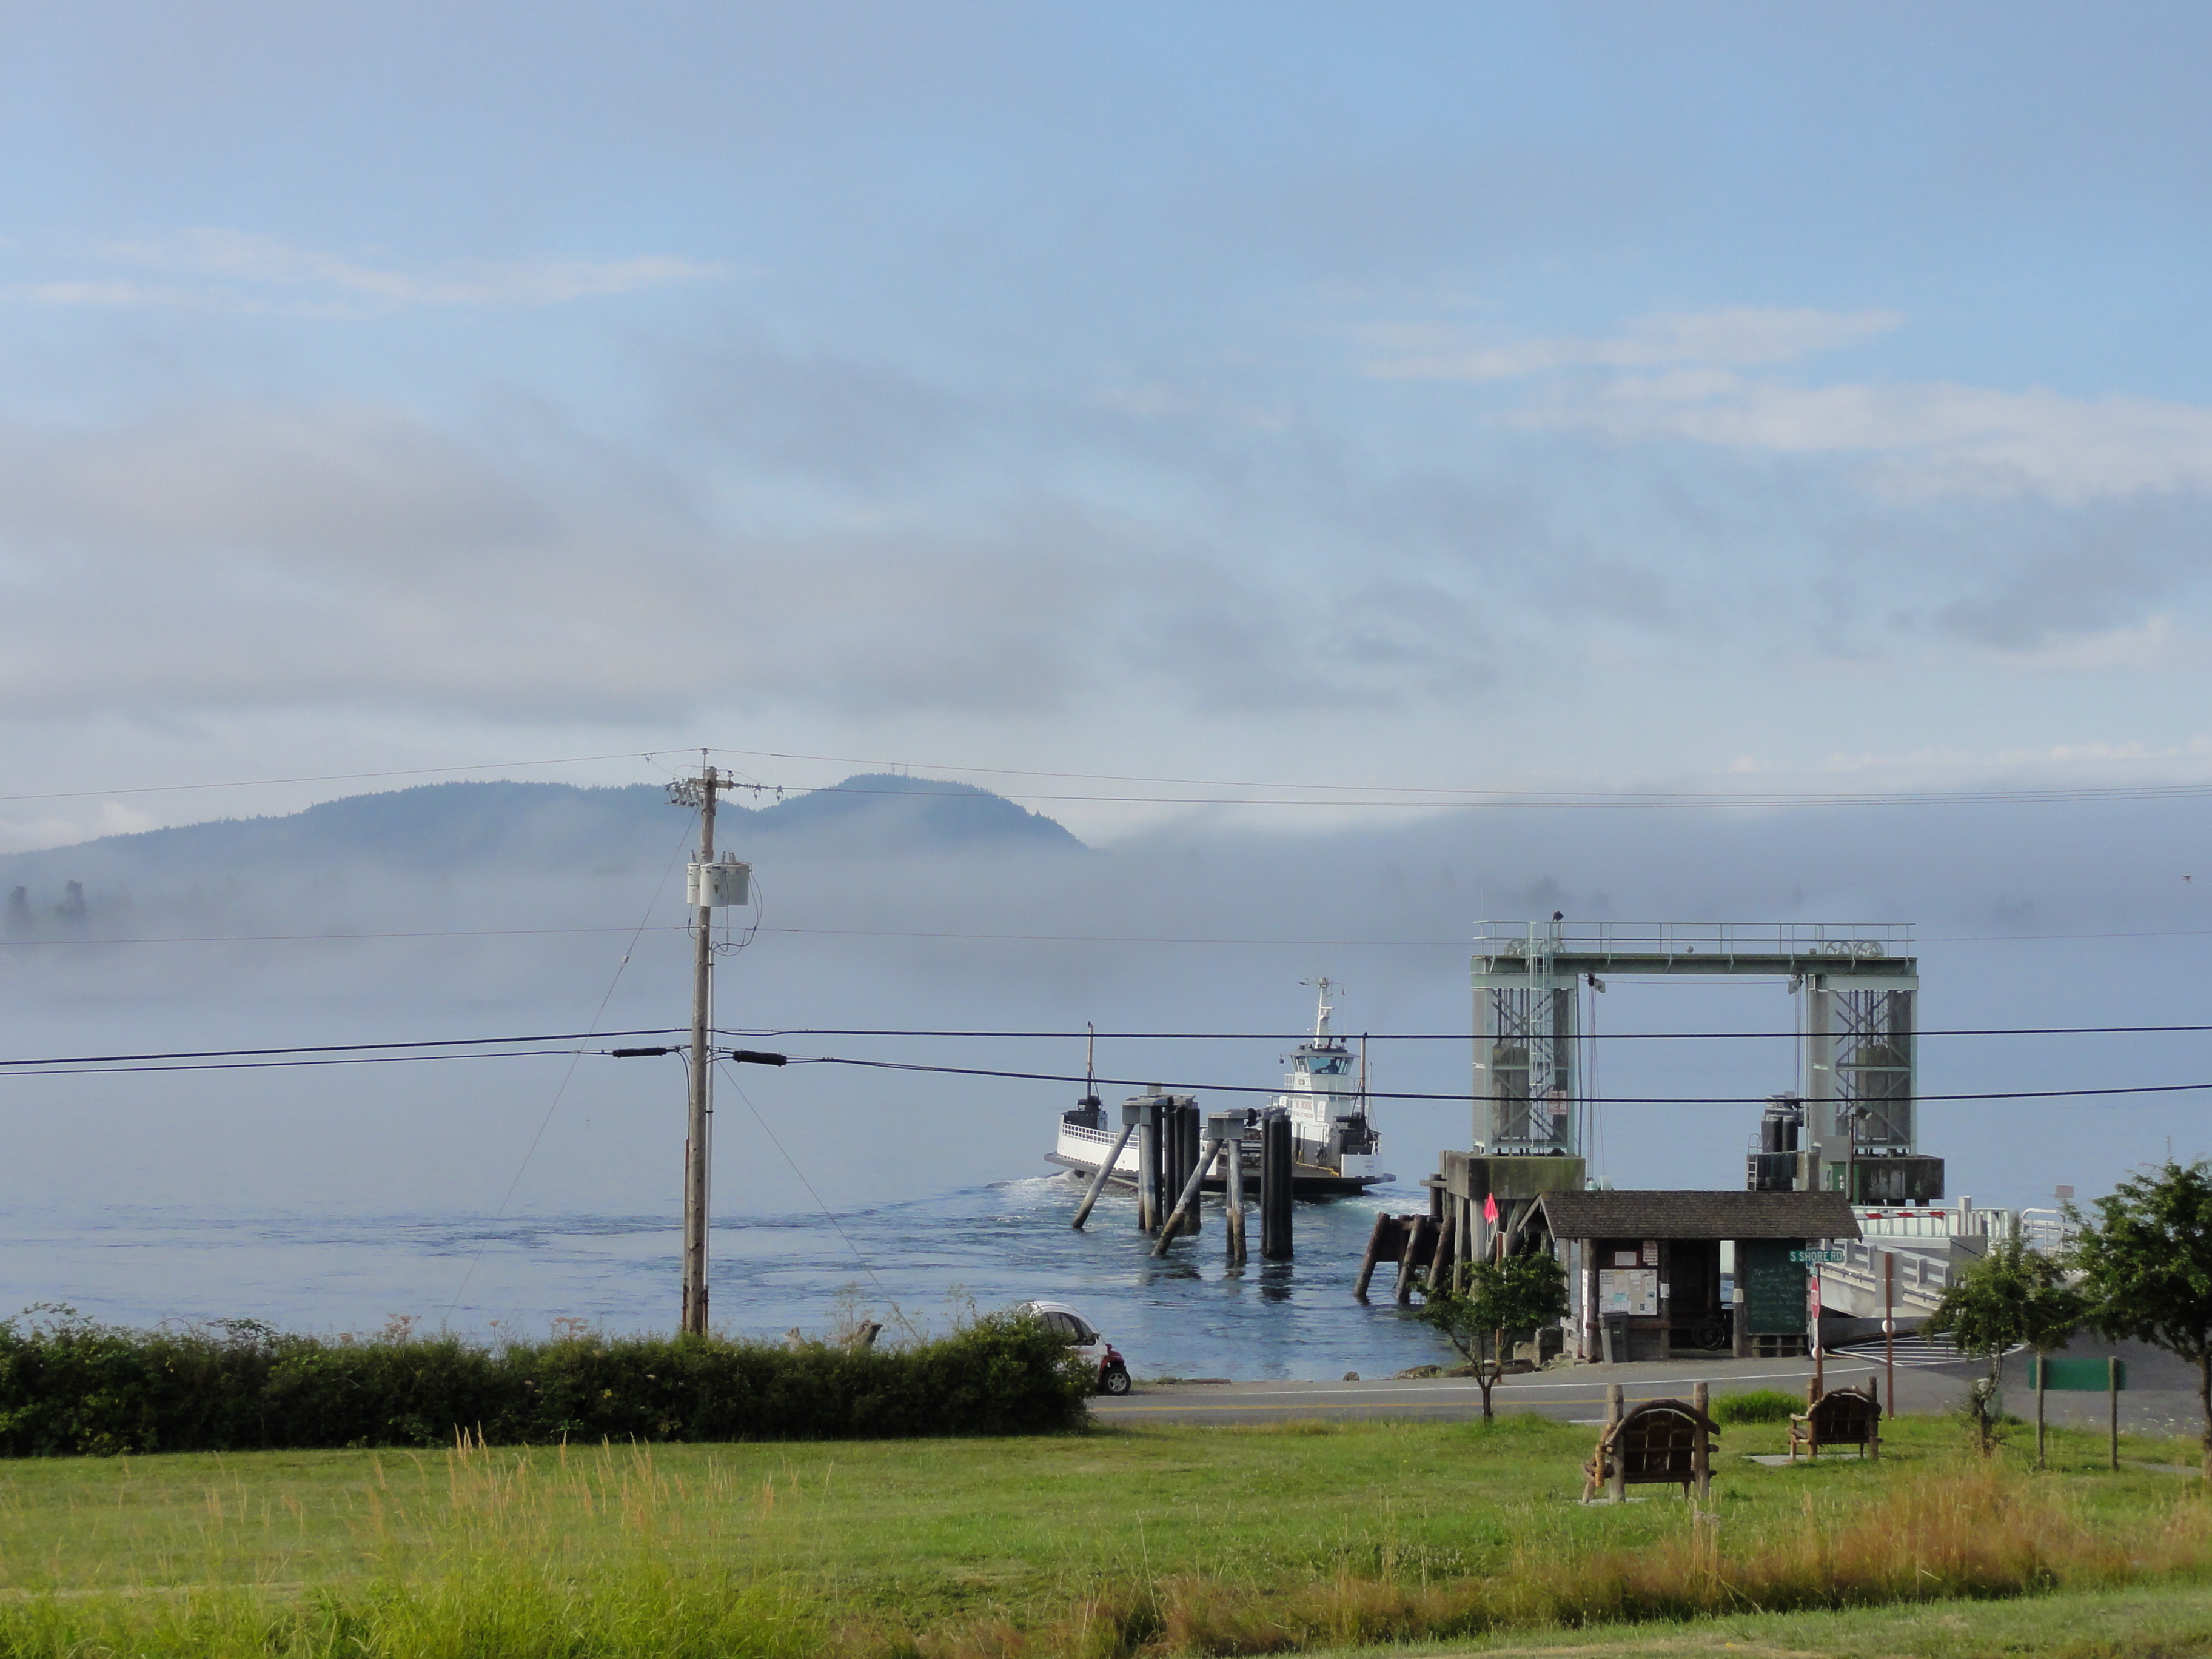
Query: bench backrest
[[1658, 1441], [1844, 1416]]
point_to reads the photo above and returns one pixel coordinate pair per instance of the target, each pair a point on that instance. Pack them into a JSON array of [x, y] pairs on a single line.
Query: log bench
[[1841, 1417], [1664, 1441]]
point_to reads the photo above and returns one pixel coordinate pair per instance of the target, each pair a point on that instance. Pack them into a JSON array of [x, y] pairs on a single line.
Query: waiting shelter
[[1645, 1268]]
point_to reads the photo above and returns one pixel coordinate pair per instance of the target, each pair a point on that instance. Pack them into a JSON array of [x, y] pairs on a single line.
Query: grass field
[[1224, 1540]]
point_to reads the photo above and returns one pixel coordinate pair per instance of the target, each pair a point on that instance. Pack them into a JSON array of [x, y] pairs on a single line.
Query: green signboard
[[1816, 1256], [2078, 1375], [1773, 1287]]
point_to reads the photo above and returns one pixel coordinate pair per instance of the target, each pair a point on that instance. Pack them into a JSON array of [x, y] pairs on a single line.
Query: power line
[[1018, 939], [1563, 801], [567, 1077], [1462, 1098], [321, 938], [276, 1065], [338, 1047], [335, 1053], [327, 777], [1501, 797], [314, 1057], [1366, 796], [1434, 1036]]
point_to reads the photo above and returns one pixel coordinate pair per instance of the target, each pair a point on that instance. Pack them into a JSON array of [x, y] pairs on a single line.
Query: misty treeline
[[473, 909]]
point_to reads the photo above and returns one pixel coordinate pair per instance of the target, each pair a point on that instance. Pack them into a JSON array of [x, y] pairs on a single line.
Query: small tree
[[1516, 1297], [2013, 1296], [2146, 1265]]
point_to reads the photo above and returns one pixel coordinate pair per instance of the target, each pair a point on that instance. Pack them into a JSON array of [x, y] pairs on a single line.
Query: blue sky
[[1467, 396]]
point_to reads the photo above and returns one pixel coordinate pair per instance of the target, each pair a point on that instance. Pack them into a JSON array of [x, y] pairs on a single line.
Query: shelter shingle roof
[[1664, 1214]]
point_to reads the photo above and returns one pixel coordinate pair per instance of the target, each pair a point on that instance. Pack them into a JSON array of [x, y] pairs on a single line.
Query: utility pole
[[696, 1160], [712, 885]]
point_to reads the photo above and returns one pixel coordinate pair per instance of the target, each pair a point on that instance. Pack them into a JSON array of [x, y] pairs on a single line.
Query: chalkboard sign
[[2085, 1376], [1773, 1287]]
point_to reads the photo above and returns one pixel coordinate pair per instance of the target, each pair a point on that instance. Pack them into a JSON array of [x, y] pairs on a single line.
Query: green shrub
[[71, 1386], [1759, 1406]]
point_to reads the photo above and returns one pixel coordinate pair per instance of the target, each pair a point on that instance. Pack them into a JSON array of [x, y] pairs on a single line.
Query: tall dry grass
[[1976, 1534], [492, 1551]]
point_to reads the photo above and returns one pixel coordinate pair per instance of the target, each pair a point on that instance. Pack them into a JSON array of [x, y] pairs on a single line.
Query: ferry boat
[[1334, 1149]]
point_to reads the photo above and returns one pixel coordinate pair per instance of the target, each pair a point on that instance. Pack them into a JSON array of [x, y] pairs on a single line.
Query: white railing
[[1961, 1218], [1848, 939], [1919, 1278]]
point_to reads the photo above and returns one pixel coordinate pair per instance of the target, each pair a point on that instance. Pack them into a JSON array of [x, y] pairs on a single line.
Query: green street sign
[[2077, 1375], [1816, 1256]]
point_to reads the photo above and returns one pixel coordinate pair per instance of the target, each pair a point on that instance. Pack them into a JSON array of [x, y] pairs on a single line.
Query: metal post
[[695, 1148], [1616, 1484], [1188, 1201], [1229, 1128], [1889, 1324], [1129, 1119], [1701, 1456], [1813, 1320], [2042, 1364], [2112, 1394]]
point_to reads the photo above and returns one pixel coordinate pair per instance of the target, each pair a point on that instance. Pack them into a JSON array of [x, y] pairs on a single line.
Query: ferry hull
[[1080, 1157]]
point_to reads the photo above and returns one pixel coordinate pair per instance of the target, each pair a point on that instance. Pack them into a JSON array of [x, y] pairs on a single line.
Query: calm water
[[1187, 1315]]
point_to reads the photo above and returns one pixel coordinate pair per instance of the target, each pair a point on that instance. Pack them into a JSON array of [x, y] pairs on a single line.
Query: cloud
[[1740, 335], [2144, 649], [1926, 440], [1713, 378], [216, 269], [288, 557]]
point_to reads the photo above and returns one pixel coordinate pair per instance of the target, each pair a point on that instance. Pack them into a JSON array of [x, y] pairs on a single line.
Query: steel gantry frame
[[1856, 985]]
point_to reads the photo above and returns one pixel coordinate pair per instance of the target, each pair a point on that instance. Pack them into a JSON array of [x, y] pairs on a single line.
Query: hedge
[[69, 1385]]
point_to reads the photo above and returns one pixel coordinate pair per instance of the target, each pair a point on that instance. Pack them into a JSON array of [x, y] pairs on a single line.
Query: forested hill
[[443, 827]]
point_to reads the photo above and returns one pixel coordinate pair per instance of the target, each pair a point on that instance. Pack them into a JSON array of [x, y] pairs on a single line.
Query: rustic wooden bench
[[1841, 1417], [1665, 1441]]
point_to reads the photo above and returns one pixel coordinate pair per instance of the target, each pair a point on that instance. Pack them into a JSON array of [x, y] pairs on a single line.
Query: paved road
[[1571, 1395], [1578, 1393]]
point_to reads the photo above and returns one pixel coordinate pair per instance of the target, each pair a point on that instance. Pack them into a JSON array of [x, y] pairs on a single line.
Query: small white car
[[1082, 1336]]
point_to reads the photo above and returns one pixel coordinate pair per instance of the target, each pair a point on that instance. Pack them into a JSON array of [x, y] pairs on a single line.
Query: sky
[[1211, 426], [1695, 397]]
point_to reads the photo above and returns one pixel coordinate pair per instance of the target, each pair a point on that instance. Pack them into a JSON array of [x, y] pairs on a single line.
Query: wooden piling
[[1375, 1240], [1148, 1169], [1130, 1118], [1440, 1265], [1275, 1171], [1233, 1157], [1187, 1202], [1418, 1234]]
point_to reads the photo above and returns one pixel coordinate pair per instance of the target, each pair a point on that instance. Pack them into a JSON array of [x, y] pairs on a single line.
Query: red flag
[[1490, 1208]]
